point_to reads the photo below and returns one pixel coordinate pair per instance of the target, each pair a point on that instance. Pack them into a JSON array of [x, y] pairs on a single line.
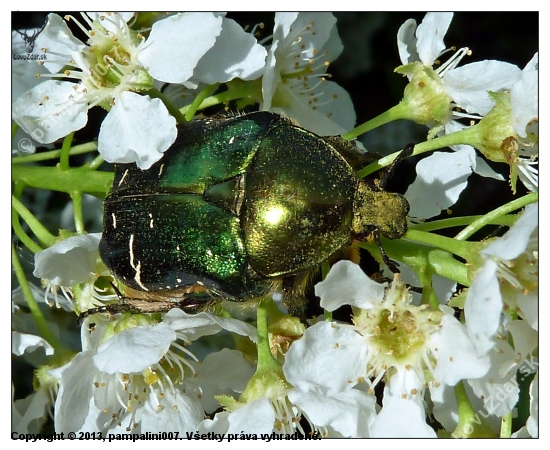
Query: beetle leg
[[392, 265], [111, 309], [191, 299], [405, 153], [294, 299]]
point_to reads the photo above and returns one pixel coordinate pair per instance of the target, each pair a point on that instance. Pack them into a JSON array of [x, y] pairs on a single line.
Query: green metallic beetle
[[237, 209]]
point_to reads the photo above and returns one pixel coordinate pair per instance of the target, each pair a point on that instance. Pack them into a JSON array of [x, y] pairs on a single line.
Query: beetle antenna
[[405, 153]]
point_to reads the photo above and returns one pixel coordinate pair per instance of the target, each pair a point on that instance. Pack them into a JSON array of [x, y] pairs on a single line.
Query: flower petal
[[335, 114], [76, 391], [441, 178], [255, 417], [221, 373], [328, 358], [58, 42], [529, 309], [483, 307], [350, 412], [68, 262], [134, 349], [430, 34], [406, 42], [21, 343], [194, 326], [403, 413], [525, 101], [178, 412], [456, 355], [236, 54], [347, 284], [468, 85], [177, 43], [515, 240], [137, 129], [50, 111], [483, 169]]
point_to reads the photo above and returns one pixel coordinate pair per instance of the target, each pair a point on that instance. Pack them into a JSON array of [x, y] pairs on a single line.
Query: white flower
[[508, 277], [116, 60], [324, 366], [411, 346], [135, 380], [514, 262], [468, 85], [71, 263], [105, 68], [507, 281], [295, 80]]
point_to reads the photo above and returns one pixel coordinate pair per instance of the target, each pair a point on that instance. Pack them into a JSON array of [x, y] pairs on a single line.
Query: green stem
[[51, 178], [266, 362], [422, 258], [470, 423], [54, 154], [37, 228], [501, 211], [194, 106], [14, 128], [429, 297], [459, 222], [77, 212], [440, 142], [16, 223], [395, 113], [20, 233], [41, 323], [506, 426], [96, 163], [172, 109], [325, 269], [66, 151], [442, 242]]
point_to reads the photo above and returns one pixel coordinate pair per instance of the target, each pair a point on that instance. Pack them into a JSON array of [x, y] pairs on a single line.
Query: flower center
[[397, 334]]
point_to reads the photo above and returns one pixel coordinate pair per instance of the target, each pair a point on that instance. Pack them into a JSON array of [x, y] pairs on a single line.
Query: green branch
[[80, 179]]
